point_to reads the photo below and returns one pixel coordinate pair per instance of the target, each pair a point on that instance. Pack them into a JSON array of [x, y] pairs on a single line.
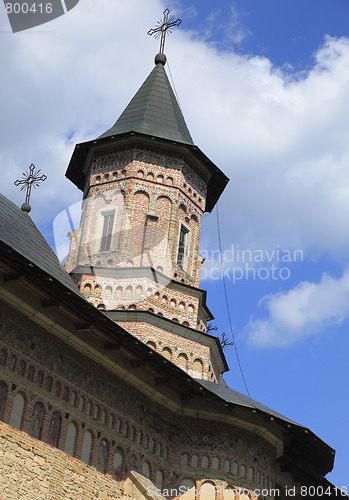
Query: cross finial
[[164, 28], [30, 179]]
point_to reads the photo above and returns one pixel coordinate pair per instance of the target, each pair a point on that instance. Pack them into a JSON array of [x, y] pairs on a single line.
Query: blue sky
[[264, 87]]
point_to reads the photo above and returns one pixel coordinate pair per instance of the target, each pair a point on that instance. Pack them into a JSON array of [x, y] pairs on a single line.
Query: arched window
[[159, 479], [244, 497], [3, 398], [242, 471], [184, 459], [73, 399], [88, 408], [125, 430], [118, 463], [102, 456], [86, 448], [235, 468], [54, 432], [81, 403], [13, 363], [250, 473], [65, 395], [205, 462], [197, 368], [22, 367], [151, 344], [36, 421], [195, 461], [40, 379], [215, 463], [227, 465], [146, 469], [57, 388], [132, 433], [207, 491], [188, 485], [167, 353], [146, 442], [17, 411], [150, 176], [70, 439], [87, 289], [49, 384], [134, 462], [3, 357], [229, 493]]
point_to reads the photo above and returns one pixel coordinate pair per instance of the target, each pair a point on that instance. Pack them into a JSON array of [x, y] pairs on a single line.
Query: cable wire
[[173, 85], [226, 301]]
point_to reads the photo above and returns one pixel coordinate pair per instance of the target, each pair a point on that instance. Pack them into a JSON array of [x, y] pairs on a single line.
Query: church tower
[[136, 253]]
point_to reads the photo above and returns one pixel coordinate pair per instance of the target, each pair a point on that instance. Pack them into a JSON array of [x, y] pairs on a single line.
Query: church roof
[[154, 111], [152, 118], [19, 233], [229, 395]]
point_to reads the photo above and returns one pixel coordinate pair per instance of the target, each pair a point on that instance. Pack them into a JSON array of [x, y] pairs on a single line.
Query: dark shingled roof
[[230, 396], [154, 111], [18, 231]]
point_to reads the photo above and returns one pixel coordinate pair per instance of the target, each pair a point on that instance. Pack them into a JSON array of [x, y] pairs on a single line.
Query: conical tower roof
[[153, 117], [154, 110]]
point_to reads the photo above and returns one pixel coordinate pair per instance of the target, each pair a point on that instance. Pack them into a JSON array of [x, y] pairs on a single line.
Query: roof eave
[[78, 165]]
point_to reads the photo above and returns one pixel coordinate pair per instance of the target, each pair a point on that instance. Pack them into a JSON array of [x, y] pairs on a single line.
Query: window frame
[[182, 257], [107, 230]]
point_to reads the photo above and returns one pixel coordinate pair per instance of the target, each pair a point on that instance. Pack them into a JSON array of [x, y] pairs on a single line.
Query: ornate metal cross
[[29, 180], [164, 28]]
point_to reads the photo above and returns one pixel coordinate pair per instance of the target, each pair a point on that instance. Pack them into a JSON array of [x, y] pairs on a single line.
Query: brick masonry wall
[[150, 438], [198, 361], [32, 469], [134, 183]]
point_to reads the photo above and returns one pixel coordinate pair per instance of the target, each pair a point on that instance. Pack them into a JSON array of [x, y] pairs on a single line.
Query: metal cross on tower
[[164, 28], [29, 180]]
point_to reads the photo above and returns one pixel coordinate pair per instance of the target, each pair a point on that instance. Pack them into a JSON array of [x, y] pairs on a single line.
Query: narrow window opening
[[107, 231], [182, 246]]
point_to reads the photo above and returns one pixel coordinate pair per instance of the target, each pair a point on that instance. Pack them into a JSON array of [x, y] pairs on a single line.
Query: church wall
[[142, 294], [32, 469], [173, 347], [121, 421]]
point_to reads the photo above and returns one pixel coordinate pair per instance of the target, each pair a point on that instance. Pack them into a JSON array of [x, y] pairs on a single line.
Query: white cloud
[[305, 310], [281, 138]]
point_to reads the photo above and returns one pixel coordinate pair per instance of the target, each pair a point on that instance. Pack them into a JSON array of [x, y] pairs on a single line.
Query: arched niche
[[17, 411]]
